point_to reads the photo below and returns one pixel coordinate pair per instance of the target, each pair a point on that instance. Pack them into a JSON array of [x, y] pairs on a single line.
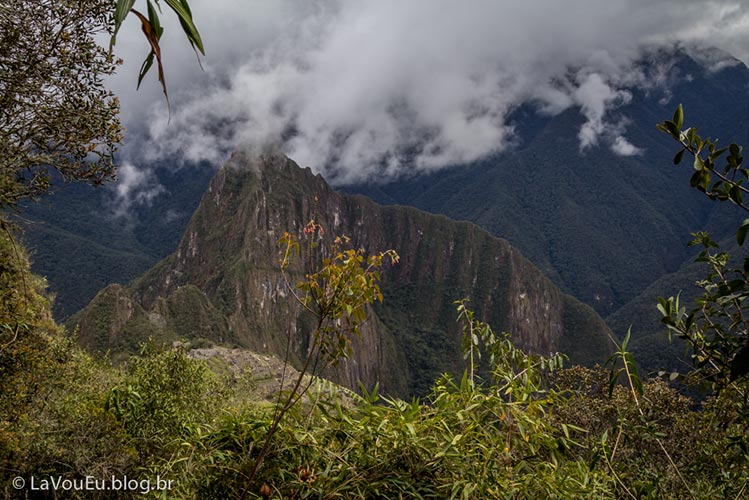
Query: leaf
[[153, 18], [698, 166], [666, 313], [594, 461], [735, 194], [120, 13], [741, 233], [626, 339], [679, 117], [672, 129], [678, 157], [144, 68], [613, 379], [182, 9], [718, 153], [411, 429], [153, 39], [704, 180], [691, 134]]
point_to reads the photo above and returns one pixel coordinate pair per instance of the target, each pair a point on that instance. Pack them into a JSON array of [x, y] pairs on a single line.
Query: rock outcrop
[[223, 283]]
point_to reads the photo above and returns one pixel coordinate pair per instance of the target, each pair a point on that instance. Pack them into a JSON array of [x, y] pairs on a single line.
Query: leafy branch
[[337, 294], [634, 384], [152, 30], [716, 327]]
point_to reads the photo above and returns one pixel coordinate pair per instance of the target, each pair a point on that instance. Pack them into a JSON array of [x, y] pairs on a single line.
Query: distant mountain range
[[223, 283], [610, 230], [602, 226], [80, 246]]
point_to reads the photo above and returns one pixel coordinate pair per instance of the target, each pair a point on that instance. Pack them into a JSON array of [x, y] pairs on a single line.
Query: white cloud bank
[[365, 90]]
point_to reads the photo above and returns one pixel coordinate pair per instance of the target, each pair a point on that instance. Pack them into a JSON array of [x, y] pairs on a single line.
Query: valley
[[602, 227], [374, 250], [223, 283]]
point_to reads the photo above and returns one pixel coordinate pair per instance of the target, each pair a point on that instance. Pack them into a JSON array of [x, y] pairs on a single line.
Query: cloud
[[623, 147], [134, 186], [371, 90], [595, 97]]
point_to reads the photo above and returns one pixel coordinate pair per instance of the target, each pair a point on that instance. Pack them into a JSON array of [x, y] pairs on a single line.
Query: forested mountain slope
[[602, 226], [224, 283], [80, 244]]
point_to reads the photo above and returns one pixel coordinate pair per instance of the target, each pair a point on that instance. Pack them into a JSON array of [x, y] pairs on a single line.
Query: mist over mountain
[[604, 222], [603, 226], [366, 92]]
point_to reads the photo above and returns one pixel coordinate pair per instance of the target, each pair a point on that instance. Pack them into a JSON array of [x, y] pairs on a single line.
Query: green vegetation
[[516, 425], [716, 327], [336, 296], [54, 109]]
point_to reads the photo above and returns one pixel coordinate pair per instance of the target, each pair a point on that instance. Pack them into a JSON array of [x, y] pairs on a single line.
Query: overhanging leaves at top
[[152, 30]]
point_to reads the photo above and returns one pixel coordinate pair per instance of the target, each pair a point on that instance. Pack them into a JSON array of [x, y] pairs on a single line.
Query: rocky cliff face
[[223, 282]]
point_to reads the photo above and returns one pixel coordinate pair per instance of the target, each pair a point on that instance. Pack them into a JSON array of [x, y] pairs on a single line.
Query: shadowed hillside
[[223, 283]]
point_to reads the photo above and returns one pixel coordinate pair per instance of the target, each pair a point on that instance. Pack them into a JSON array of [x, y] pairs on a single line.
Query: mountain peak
[[223, 283], [257, 158]]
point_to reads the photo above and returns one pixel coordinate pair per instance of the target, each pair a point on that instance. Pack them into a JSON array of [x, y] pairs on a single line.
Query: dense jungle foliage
[[515, 426]]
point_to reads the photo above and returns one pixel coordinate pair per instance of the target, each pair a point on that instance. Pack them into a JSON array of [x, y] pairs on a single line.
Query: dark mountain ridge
[[80, 245], [602, 226], [223, 282]]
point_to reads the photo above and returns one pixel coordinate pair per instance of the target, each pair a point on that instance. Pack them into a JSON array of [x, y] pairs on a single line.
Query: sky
[[371, 90]]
